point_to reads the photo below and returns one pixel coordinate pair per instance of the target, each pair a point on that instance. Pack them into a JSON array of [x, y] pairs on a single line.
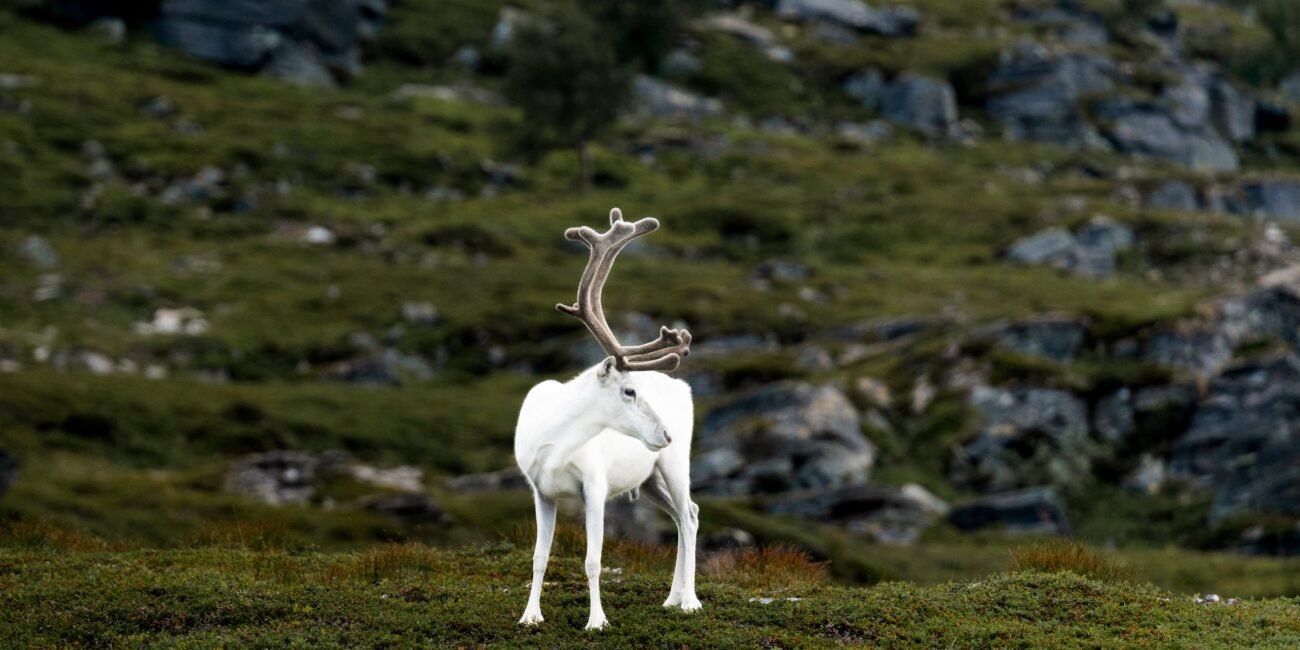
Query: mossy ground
[[117, 531], [414, 596]]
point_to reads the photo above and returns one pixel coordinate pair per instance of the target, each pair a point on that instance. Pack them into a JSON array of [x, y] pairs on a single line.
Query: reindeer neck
[[570, 423]]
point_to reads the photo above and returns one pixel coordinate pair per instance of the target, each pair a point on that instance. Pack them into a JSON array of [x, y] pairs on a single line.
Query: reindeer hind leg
[[657, 492], [677, 483]]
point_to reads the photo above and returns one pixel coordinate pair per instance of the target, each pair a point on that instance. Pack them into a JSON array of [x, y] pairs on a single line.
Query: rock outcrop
[[783, 437], [655, 98], [1036, 94], [1244, 435], [1034, 511], [1147, 129], [888, 515], [1090, 252], [1051, 336], [923, 103], [1028, 436], [275, 477], [310, 42], [306, 41], [853, 14]]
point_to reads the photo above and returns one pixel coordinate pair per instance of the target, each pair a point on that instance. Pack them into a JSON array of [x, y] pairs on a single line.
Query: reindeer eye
[[629, 392]]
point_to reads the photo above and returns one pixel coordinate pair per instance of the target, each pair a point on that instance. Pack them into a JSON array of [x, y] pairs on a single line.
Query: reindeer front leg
[[594, 493], [541, 554]]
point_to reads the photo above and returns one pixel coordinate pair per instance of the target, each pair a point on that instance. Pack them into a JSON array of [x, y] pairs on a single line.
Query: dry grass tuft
[[46, 535], [772, 568], [259, 534], [1058, 555], [640, 557], [386, 562]]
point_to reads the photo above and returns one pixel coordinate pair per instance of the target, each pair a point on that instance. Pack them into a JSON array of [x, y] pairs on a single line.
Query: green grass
[[413, 596], [117, 531]]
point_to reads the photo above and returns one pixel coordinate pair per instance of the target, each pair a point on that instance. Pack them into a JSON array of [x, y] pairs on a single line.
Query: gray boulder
[[1173, 194], [888, 515], [1206, 347], [656, 98], [1148, 130], [1112, 419], [37, 250], [300, 64], [1148, 478], [275, 477], [407, 508], [727, 539], [638, 520], [892, 21], [1225, 199], [785, 436], [922, 103], [1233, 110], [752, 33], [305, 41], [1033, 511], [1272, 313], [1277, 198], [386, 367], [1066, 20], [867, 86], [1251, 412], [506, 479], [1050, 246], [864, 134], [1203, 98], [1054, 336], [1290, 87], [1035, 94], [1188, 101], [8, 471], [1197, 347], [1090, 253], [241, 46], [1027, 436], [1100, 240], [1270, 484]]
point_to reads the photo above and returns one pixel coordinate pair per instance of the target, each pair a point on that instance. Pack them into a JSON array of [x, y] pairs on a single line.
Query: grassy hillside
[[162, 182], [414, 596]]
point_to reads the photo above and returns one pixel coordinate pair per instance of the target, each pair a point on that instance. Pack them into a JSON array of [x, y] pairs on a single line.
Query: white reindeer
[[619, 427]]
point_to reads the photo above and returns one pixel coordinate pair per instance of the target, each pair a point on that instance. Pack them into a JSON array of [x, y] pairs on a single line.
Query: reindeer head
[[623, 406], [634, 415]]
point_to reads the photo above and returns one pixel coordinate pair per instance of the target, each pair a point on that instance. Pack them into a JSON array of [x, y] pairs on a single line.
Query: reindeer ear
[[607, 368]]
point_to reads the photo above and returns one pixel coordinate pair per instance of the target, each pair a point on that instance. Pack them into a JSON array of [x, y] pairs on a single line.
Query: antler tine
[[669, 342], [665, 352], [667, 363]]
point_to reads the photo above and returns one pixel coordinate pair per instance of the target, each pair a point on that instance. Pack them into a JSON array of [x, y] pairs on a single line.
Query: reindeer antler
[[664, 353]]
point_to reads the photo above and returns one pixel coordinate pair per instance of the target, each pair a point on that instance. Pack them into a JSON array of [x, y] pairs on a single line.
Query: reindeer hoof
[[691, 604], [597, 623], [531, 618]]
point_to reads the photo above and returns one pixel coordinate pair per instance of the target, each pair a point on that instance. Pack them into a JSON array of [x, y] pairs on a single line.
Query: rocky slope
[[949, 266]]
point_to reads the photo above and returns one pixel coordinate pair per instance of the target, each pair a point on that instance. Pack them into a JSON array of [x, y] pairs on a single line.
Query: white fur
[[587, 438]]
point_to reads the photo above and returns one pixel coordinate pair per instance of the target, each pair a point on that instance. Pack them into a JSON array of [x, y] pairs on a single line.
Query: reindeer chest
[[622, 463]]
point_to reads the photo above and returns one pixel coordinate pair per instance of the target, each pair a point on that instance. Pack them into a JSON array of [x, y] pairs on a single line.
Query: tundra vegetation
[[999, 261]]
